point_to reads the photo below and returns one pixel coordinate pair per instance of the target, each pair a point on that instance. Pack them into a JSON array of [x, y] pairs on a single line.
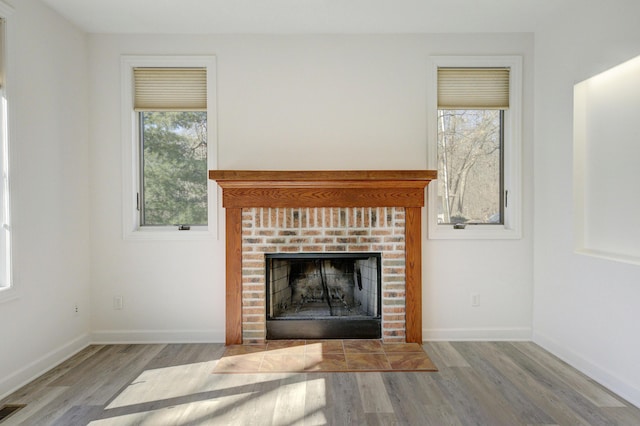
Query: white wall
[[586, 309], [48, 97], [299, 102]]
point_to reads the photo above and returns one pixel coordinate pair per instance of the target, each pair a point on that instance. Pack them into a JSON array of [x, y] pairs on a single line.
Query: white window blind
[[473, 88], [170, 89]]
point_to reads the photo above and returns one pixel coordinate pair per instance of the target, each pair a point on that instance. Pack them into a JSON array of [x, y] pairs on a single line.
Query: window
[[474, 144], [167, 109], [7, 291]]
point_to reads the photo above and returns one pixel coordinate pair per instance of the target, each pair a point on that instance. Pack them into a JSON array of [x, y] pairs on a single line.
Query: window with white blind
[[167, 107], [7, 290], [474, 143]]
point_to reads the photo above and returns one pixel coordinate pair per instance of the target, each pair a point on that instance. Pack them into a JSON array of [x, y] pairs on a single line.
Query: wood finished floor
[[501, 383]]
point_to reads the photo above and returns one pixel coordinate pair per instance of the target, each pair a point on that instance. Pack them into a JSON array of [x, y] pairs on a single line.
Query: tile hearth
[[278, 356]]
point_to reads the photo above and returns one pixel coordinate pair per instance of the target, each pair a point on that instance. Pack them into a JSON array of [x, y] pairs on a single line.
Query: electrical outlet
[[117, 303], [475, 300]]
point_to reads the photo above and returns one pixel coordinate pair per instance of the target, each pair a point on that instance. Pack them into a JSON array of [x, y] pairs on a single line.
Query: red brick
[[386, 318], [252, 256], [253, 326], [279, 216], [253, 264], [396, 333], [253, 294], [348, 240], [298, 241], [253, 287], [394, 239], [356, 216], [344, 214], [394, 286], [252, 318], [253, 310], [382, 232], [381, 247], [265, 249], [393, 255], [394, 325], [366, 217], [323, 241], [393, 279], [273, 218], [393, 309]]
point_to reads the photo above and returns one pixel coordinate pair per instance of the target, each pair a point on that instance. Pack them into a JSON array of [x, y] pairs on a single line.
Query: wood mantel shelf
[[346, 188], [320, 175], [339, 188]]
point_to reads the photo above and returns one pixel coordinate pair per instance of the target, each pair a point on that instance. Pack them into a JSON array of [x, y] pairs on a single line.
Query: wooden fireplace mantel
[[340, 188]]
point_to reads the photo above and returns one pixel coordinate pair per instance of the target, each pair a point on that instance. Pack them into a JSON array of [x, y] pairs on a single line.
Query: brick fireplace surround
[[323, 211]]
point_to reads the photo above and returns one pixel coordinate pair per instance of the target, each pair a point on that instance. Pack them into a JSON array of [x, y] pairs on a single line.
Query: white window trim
[[8, 289], [512, 228], [130, 151]]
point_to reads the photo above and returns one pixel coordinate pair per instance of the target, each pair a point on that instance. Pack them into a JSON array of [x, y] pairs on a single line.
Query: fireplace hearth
[[323, 296]]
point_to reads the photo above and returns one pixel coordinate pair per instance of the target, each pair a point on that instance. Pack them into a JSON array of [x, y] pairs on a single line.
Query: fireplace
[[323, 211], [322, 233], [323, 296]]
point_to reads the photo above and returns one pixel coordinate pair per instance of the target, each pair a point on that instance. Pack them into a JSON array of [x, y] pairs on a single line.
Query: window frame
[[511, 228], [8, 289], [132, 229]]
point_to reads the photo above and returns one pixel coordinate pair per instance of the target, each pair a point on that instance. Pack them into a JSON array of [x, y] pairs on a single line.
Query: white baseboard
[[157, 336], [43, 364], [605, 377], [476, 334]]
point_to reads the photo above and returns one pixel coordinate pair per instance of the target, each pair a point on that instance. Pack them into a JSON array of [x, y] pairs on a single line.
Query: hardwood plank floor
[[478, 383]]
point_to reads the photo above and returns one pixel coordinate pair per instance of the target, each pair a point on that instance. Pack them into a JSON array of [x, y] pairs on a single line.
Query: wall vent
[[8, 410]]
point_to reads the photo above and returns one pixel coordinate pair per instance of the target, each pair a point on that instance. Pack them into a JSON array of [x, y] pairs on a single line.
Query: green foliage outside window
[[174, 168]]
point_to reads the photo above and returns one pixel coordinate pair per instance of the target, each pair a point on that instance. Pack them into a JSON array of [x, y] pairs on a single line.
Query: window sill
[[473, 232], [8, 294], [171, 233]]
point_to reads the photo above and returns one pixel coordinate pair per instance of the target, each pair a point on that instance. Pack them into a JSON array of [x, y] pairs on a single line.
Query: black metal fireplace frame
[[329, 328]]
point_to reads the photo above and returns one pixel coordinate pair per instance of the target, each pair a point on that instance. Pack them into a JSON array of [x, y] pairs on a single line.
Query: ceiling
[[304, 16]]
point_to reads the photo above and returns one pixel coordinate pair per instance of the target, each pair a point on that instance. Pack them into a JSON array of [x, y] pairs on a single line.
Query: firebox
[[323, 296]]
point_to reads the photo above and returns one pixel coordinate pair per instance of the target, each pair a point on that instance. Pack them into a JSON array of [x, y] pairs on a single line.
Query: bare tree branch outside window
[[469, 166]]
